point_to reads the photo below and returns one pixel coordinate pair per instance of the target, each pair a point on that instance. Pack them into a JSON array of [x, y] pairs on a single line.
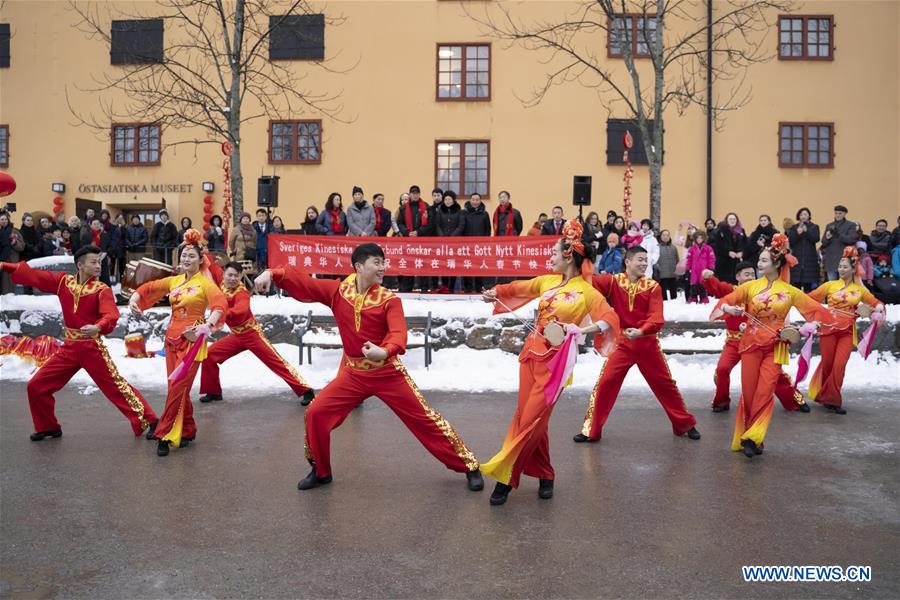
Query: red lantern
[[207, 218], [207, 199], [207, 208], [57, 209], [7, 184], [58, 201], [206, 227]]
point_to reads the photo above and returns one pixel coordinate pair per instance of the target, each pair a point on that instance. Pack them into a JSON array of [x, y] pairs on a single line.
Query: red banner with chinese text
[[462, 256]]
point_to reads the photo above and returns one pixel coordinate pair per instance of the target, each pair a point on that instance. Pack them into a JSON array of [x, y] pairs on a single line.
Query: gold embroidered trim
[[294, 373], [75, 335], [733, 335], [375, 296], [124, 387], [364, 364], [230, 293], [633, 289], [458, 445], [589, 416], [91, 286], [245, 326]]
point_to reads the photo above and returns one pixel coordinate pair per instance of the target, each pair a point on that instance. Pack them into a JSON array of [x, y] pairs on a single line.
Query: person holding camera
[[839, 234], [759, 239]]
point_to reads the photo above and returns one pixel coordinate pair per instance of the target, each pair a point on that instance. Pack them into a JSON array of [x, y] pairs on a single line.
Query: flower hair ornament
[[780, 248], [852, 255], [192, 237], [572, 238]]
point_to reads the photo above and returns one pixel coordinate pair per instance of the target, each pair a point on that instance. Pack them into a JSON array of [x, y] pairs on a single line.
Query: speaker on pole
[[267, 191], [581, 194]]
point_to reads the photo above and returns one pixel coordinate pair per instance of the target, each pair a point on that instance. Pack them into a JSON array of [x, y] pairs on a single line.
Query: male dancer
[[373, 331], [89, 311], [246, 334], [791, 399], [638, 301]]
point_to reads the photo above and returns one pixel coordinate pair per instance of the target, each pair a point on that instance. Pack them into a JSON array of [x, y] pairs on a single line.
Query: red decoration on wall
[[7, 184], [227, 149], [58, 201], [628, 142], [57, 209]]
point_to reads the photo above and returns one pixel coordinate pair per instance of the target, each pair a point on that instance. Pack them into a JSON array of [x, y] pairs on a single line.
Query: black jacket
[[86, 238], [308, 228], [34, 243], [549, 227], [751, 254], [723, 240], [117, 240], [136, 238], [448, 220], [500, 222], [164, 235], [416, 225], [880, 243], [803, 247], [385, 227], [477, 221]]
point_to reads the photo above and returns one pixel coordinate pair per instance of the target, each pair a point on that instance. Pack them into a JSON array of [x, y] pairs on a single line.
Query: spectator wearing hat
[[163, 238], [242, 240], [839, 234], [136, 239], [360, 215], [414, 220], [610, 224]]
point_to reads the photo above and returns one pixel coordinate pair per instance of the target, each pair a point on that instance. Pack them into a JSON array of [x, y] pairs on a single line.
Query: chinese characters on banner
[[475, 256]]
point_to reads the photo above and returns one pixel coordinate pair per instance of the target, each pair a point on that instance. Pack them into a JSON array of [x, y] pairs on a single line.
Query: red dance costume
[[246, 334], [375, 316], [90, 303], [189, 298], [639, 305], [785, 390]]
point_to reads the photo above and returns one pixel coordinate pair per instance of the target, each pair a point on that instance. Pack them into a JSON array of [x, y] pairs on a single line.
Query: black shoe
[[693, 433], [804, 408], [210, 397], [36, 437], [151, 430], [185, 442], [580, 438], [475, 480], [307, 397], [162, 448], [749, 448], [311, 481], [836, 409], [721, 408], [501, 492], [759, 449], [545, 489]]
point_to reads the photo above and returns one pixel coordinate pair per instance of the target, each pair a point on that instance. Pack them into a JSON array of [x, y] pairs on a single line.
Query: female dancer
[[842, 297], [766, 302], [190, 294], [568, 298]]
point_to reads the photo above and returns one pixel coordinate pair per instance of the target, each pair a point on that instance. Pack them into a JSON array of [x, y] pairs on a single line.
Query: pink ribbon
[[865, 344], [181, 371], [561, 366], [808, 330]]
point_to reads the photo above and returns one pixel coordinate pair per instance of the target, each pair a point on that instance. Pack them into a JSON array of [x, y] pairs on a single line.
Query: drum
[[790, 334], [140, 272], [135, 346], [554, 333], [864, 310]]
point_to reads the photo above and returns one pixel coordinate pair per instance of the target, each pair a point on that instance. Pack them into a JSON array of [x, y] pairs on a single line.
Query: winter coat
[[880, 243], [136, 237], [868, 268], [34, 243], [164, 235], [448, 220], [262, 239], [416, 214], [216, 238], [843, 235], [698, 259], [651, 245], [323, 223], [803, 247], [361, 219], [895, 262], [500, 225], [477, 221], [723, 240], [242, 243], [386, 221], [593, 235], [753, 249], [86, 238], [610, 261], [668, 260], [309, 228], [117, 240], [11, 243]]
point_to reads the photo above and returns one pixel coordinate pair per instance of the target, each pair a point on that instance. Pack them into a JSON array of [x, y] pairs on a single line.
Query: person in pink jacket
[[700, 256]]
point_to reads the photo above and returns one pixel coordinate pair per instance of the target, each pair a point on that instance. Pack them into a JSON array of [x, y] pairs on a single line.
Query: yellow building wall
[[393, 120]]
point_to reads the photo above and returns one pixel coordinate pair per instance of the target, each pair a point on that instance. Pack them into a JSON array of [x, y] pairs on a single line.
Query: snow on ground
[[485, 370]]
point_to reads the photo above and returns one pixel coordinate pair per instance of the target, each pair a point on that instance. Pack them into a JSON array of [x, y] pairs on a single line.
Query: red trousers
[[255, 341], [177, 420], [393, 385], [646, 353], [759, 376], [92, 356], [785, 390], [829, 376]]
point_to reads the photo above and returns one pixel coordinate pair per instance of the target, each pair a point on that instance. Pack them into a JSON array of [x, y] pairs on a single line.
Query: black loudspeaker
[[267, 190], [581, 190]]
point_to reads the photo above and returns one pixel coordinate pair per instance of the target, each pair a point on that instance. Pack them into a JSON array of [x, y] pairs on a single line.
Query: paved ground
[[642, 514]]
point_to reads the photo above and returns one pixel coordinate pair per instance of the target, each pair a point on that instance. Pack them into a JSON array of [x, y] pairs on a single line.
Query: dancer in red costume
[[766, 301], [373, 331], [246, 334], [638, 302], [842, 297], [89, 311], [785, 390], [567, 298], [190, 294]]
